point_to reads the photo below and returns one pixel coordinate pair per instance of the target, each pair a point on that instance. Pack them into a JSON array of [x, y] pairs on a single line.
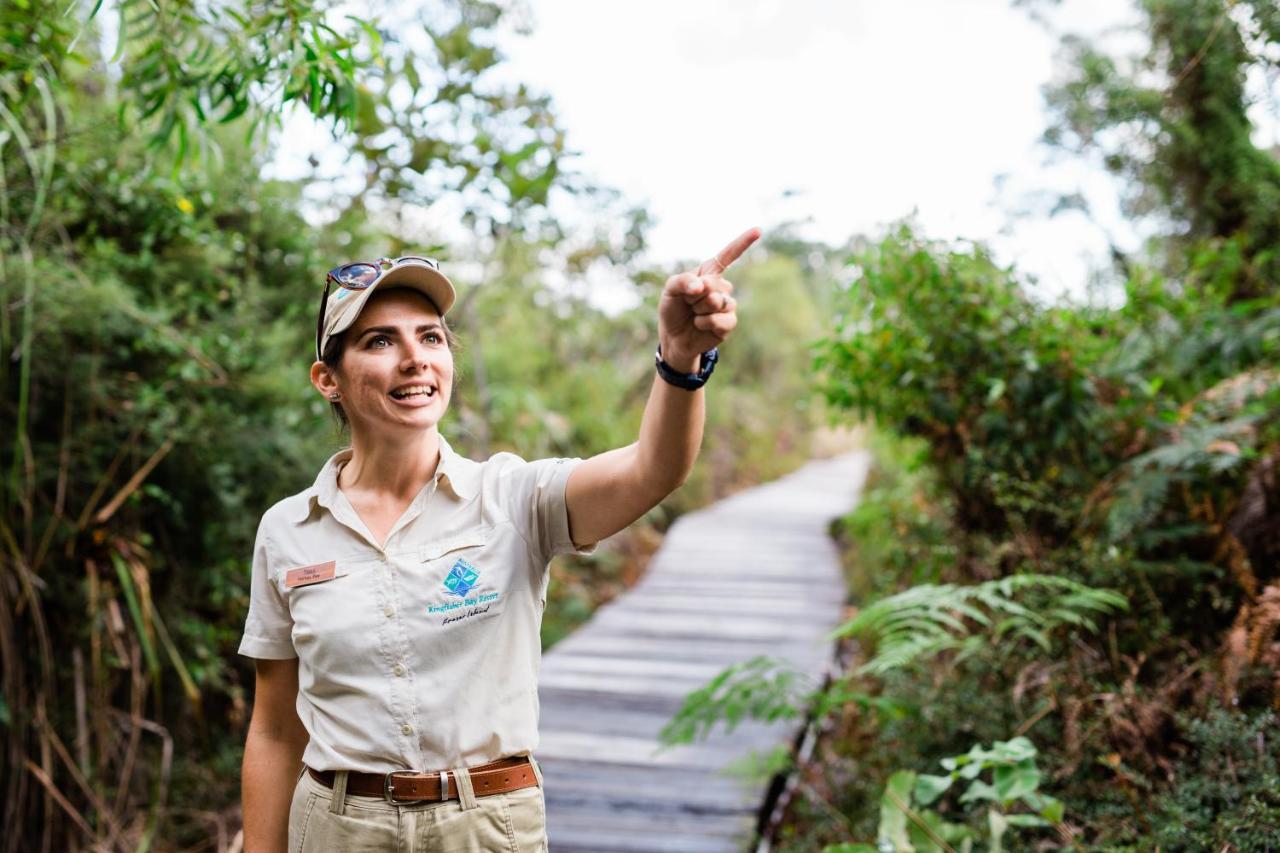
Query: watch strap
[[688, 381]]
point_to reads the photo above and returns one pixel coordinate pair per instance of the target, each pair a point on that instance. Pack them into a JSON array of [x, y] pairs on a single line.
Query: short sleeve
[[536, 501], [268, 629]]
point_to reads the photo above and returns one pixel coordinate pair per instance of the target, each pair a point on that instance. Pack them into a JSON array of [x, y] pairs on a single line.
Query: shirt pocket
[[336, 611], [466, 584]]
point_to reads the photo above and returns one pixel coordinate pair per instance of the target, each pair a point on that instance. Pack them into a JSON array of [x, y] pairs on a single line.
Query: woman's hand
[[697, 310]]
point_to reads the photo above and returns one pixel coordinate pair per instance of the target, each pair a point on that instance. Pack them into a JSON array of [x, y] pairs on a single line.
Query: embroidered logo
[[461, 578], [461, 581]]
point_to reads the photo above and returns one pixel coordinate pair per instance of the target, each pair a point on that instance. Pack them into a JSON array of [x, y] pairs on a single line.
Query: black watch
[[688, 381]]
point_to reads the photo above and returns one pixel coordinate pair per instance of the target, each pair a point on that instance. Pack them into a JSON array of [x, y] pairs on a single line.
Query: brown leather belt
[[406, 786]]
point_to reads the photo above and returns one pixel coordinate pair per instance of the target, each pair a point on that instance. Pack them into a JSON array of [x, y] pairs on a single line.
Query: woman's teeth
[[413, 391]]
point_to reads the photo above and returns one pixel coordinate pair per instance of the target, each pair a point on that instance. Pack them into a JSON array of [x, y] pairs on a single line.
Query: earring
[[334, 397]]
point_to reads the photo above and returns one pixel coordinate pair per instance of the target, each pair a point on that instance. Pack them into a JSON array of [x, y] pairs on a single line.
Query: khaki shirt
[[423, 654]]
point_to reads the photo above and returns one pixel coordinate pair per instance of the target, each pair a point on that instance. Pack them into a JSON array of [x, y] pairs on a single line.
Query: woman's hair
[[337, 346]]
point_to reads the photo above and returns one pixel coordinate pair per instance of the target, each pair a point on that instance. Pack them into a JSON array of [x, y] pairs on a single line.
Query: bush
[[1228, 788]]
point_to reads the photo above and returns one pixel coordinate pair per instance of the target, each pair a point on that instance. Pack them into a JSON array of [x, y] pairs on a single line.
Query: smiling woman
[[395, 604]]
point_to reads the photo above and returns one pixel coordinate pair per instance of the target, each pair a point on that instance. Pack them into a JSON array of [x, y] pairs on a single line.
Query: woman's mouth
[[414, 392]]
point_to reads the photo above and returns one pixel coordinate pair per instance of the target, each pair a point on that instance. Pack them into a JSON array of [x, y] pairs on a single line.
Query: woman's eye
[[433, 337], [379, 340]]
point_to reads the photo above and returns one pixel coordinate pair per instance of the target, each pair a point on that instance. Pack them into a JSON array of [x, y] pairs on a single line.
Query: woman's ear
[[326, 383]]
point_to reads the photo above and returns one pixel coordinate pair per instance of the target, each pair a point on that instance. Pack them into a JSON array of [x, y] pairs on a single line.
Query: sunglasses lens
[[431, 262], [357, 276]]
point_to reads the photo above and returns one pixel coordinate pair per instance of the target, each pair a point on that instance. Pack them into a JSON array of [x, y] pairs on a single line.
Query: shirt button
[[406, 729], [399, 670], [388, 612]]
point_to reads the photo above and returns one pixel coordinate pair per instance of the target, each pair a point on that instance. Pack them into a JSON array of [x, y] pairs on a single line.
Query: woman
[[395, 605]]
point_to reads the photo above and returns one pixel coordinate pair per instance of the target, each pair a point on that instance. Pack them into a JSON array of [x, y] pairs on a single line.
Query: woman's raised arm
[[609, 491]]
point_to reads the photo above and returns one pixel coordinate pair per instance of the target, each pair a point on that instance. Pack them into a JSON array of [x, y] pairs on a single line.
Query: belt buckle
[[389, 791]]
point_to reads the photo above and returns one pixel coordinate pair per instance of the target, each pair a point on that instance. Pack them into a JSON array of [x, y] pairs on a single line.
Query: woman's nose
[[416, 354]]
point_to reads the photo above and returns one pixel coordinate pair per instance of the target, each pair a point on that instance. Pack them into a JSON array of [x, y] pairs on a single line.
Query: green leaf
[[1052, 810], [948, 833], [1017, 749], [375, 37], [980, 790], [1027, 820], [1012, 783], [929, 788], [132, 599], [894, 805]]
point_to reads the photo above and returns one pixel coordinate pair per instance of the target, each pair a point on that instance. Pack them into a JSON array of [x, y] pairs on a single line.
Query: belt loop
[[466, 794], [339, 803], [537, 771]]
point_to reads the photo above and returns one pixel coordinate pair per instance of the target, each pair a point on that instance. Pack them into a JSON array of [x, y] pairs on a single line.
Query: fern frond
[[762, 688], [925, 621]]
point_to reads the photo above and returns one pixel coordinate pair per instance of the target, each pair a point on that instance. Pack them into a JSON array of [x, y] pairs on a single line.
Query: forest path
[[753, 574]]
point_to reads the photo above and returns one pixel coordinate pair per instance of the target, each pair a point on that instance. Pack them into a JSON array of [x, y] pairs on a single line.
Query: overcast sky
[[723, 114], [844, 114]]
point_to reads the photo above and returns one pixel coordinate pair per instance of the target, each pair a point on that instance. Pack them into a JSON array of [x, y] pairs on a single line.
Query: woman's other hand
[[697, 310]]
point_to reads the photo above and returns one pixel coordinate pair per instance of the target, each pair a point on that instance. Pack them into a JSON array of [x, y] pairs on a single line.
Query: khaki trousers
[[323, 820]]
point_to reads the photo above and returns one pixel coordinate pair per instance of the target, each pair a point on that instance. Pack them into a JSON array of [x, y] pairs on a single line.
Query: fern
[[762, 688], [1214, 435], [911, 626], [925, 621]]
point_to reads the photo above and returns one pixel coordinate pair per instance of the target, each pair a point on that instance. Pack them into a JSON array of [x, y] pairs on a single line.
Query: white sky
[[844, 114], [865, 110]]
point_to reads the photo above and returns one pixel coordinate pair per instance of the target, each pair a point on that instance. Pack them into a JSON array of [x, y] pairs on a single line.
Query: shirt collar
[[460, 474]]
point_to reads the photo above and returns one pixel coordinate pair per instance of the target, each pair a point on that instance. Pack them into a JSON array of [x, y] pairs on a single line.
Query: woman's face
[[397, 370]]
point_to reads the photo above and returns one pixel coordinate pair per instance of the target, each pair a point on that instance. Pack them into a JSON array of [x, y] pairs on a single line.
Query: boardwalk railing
[[753, 574]]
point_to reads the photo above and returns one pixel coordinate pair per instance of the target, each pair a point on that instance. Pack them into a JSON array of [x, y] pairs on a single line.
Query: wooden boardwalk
[[753, 574]]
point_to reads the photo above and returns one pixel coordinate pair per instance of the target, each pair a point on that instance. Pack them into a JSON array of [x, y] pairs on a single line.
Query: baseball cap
[[344, 304]]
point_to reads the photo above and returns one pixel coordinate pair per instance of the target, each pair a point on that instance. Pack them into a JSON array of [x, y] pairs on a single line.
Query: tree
[[1174, 124]]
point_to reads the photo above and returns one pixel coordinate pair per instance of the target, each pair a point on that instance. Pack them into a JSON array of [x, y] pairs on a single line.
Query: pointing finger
[[729, 253]]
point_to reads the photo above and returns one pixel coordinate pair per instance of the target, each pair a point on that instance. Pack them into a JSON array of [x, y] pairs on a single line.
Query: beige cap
[[344, 305]]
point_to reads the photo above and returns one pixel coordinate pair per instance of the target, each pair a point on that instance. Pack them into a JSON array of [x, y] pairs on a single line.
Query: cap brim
[[431, 283]]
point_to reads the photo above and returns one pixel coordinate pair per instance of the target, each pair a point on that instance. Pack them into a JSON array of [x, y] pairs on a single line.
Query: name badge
[[304, 575]]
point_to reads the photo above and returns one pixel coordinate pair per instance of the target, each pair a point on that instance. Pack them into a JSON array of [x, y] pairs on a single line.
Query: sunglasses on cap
[[359, 275]]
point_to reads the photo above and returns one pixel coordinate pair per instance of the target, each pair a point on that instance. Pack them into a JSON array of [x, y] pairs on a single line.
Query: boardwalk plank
[[675, 784], [638, 684], [805, 651], [681, 625], [630, 666], [648, 601]]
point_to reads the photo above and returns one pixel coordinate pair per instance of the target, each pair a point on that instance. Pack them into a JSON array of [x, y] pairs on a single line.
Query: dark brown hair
[[337, 346]]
